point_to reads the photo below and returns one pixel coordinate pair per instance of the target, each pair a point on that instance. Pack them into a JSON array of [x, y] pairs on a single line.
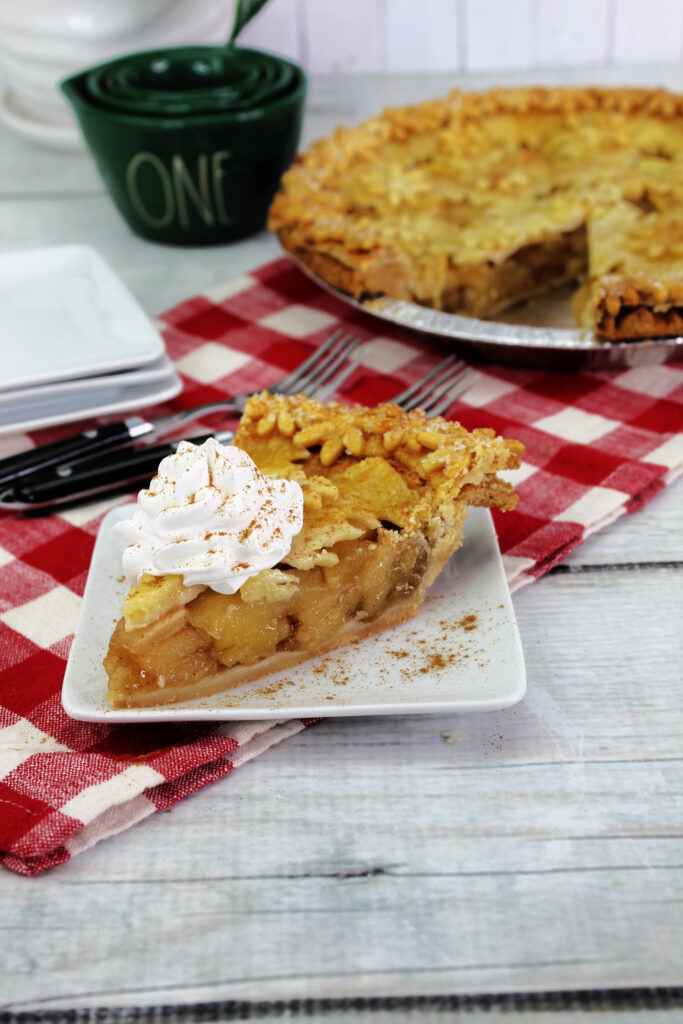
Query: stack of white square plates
[[74, 343]]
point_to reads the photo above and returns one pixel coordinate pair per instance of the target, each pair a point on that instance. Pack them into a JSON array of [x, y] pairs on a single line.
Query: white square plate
[[64, 313], [150, 373], [70, 404], [462, 652]]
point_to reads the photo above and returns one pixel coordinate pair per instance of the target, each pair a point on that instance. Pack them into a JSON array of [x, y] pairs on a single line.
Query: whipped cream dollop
[[210, 516]]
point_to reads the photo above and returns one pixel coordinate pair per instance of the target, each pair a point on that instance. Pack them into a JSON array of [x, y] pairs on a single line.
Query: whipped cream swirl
[[211, 517]]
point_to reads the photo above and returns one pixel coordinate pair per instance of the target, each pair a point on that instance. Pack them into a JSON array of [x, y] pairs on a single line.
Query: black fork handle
[[130, 467]]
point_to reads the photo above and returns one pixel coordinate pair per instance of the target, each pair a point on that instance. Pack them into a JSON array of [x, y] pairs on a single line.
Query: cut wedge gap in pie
[[385, 494], [479, 201]]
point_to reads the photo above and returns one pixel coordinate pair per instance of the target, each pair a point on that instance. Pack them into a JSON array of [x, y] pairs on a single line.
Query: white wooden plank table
[[530, 851]]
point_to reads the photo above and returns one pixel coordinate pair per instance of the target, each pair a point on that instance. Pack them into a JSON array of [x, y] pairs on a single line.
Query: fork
[[311, 376], [437, 390], [88, 475], [318, 377]]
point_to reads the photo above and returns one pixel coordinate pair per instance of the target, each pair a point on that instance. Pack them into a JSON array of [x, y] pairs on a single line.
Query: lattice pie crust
[[478, 201]]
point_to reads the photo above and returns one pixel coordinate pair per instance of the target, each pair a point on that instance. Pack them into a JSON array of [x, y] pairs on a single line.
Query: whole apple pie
[[478, 201], [321, 525]]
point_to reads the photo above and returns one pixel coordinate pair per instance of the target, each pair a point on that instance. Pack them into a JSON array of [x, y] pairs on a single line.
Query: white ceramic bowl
[[42, 41]]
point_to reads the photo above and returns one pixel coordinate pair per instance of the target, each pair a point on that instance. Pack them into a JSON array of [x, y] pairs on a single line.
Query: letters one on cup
[[179, 190]]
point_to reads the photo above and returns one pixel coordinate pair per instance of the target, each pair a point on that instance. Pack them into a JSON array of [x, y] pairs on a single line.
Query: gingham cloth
[[597, 445]]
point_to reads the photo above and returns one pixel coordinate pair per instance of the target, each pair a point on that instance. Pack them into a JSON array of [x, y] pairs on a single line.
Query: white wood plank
[[277, 28], [408, 855], [342, 37], [652, 32], [330, 938], [576, 33], [420, 37], [653, 534], [498, 34]]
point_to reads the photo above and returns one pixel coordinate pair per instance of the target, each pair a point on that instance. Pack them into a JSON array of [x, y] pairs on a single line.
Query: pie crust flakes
[[385, 496], [478, 201]]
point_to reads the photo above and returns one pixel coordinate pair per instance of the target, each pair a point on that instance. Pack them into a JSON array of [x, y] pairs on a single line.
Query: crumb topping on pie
[[385, 494], [480, 200]]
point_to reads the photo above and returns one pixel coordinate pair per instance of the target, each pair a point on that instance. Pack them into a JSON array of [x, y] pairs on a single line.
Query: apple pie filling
[[280, 610]]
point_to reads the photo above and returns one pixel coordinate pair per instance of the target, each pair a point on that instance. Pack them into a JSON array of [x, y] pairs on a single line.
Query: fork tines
[[438, 389], [320, 367]]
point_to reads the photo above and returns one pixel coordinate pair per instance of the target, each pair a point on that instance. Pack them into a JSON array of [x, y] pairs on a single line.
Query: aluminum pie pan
[[531, 336]]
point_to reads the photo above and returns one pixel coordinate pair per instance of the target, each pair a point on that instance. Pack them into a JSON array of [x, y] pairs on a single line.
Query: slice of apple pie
[[322, 524]]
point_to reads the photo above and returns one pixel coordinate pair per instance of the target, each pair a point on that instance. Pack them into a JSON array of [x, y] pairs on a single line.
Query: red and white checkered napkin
[[598, 445]]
